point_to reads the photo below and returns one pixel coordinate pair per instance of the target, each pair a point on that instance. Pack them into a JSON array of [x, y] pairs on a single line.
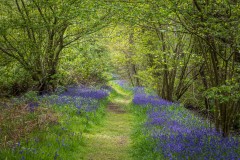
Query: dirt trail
[[115, 109]]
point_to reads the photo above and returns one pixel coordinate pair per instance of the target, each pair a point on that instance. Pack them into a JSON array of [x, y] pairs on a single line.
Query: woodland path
[[111, 140]]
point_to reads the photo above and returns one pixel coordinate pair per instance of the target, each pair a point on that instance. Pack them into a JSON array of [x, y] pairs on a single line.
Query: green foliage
[[87, 63], [30, 96], [14, 79], [224, 93]]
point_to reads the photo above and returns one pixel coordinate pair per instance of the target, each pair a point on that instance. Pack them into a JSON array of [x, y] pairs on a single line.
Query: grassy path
[[111, 140]]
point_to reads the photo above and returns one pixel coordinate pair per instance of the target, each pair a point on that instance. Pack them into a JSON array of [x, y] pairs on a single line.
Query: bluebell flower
[[178, 134]]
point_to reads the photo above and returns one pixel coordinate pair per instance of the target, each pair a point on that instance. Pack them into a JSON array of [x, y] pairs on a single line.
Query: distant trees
[[85, 63], [35, 32]]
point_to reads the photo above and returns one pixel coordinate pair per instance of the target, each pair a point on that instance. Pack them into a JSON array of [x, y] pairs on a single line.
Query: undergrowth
[[47, 132]]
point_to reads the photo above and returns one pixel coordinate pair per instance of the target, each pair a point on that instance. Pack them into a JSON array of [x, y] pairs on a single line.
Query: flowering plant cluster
[[83, 98], [179, 134], [80, 91]]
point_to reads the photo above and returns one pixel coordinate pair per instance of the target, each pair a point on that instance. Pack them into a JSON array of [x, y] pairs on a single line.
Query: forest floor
[[111, 140]]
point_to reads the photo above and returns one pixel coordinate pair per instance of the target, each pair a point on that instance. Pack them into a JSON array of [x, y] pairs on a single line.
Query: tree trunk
[[205, 84]]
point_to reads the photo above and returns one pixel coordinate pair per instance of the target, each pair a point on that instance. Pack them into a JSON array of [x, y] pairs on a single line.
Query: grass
[[111, 140]]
